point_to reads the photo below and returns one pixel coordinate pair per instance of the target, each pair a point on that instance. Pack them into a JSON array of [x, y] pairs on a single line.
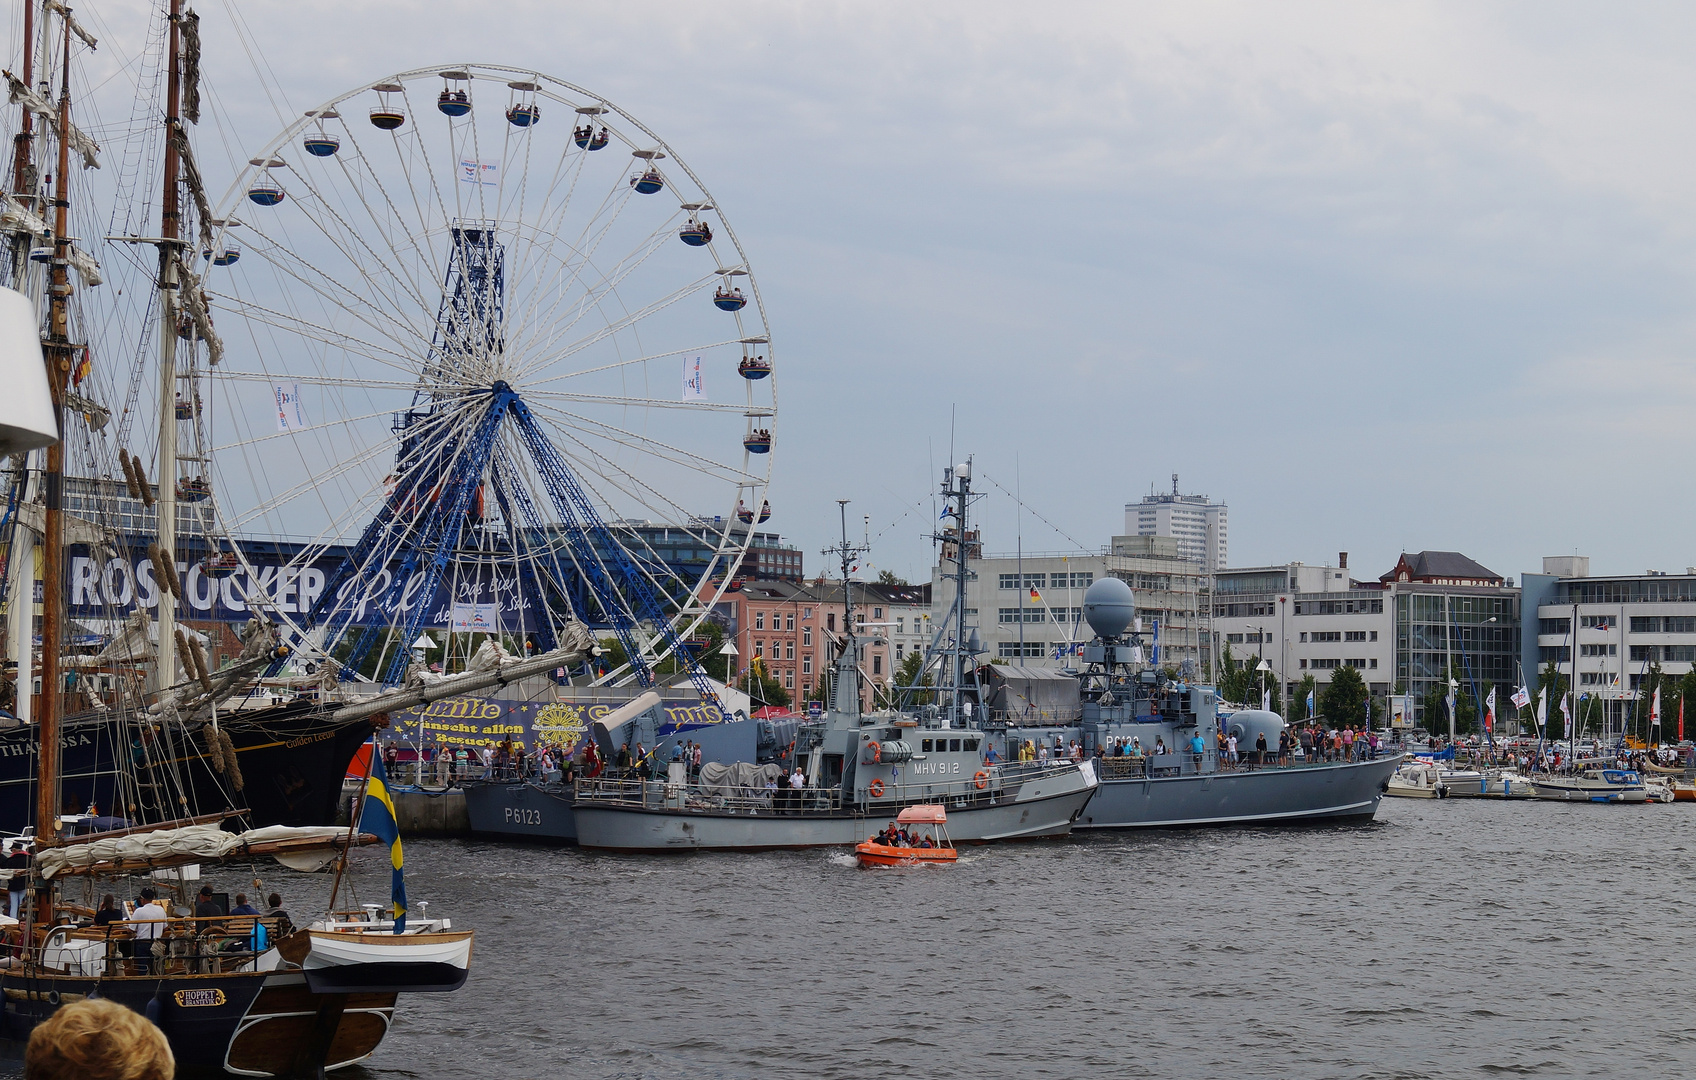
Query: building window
[[1354, 635], [789, 621], [1374, 663], [1010, 649], [900, 625], [1598, 650], [830, 621], [759, 620], [806, 613], [877, 664], [1374, 635], [898, 651], [759, 648], [789, 650], [806, 635], [1304, 663], [1327, 635], [877, 613], [789, 680], [807, 663], [1304, 637]]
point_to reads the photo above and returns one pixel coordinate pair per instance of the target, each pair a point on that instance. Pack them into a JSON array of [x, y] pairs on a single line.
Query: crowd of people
[[896, 836]]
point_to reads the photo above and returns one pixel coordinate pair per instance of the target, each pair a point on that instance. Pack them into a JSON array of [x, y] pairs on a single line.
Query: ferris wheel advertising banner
[[482, 599]]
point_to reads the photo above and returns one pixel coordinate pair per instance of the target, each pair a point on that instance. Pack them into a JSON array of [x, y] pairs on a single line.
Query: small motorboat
[[879, 851], [1417, 780]]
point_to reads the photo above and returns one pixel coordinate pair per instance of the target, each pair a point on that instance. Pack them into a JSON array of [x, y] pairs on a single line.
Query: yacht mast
[[58, 355], [170, 230]]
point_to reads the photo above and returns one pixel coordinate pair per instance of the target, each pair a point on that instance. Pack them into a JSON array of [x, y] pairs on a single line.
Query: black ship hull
[[290, 760]]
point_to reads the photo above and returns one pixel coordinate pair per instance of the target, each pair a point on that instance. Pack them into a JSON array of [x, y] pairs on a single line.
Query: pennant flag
[[1490, 710], [290, 416], [693, 387], [377, 817], [1566, 713], [82, 370], [1520, 698], [1603, 625], [1681, 718], [1655, 709], [1310, 704]]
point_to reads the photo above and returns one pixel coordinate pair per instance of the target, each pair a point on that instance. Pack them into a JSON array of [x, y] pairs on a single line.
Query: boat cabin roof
[[923, 814]]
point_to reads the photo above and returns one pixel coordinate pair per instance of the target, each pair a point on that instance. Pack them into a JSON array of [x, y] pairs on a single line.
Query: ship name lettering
[[518, 815], [308, 740]]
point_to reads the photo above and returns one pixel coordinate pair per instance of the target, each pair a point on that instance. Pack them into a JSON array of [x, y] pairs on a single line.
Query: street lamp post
[[1263, 667]]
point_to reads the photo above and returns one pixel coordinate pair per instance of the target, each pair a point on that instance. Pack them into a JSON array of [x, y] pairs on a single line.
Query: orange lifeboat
[[881, 850]]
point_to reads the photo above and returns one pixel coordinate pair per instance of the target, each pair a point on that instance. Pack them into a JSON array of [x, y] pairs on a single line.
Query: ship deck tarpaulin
[[1029, 694]]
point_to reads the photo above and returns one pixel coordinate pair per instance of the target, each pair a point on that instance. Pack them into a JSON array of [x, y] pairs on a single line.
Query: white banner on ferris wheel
[[475, 618], [693, 388], [290, 416], [480, 171]]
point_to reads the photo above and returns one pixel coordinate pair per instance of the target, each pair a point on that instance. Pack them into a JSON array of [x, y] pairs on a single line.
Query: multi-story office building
[[1029, 609], [1606, 633], [1194, 521], [1432, 611]]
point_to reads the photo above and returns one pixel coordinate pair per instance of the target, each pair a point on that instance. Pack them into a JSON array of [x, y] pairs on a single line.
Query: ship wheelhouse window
[[954, 744], [925, 746], [971, 744]]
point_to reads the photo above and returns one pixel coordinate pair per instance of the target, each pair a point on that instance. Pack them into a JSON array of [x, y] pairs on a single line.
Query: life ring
[[981, 779], [876, 789], [877, 753]]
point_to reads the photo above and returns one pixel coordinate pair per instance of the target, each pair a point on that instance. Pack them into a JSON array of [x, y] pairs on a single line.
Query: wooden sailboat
[[244, 994]]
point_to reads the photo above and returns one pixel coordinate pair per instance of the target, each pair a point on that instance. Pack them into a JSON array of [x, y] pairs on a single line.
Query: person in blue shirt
[[242, 906], [1198, 747]]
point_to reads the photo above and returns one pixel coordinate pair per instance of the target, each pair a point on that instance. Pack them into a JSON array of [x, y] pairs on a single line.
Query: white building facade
[[1195, 522]]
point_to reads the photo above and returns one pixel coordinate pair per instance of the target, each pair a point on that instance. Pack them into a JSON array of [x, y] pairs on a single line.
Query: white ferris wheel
[[492, 358]]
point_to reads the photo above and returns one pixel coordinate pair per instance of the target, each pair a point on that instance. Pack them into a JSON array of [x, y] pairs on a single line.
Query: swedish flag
[[377, 817]]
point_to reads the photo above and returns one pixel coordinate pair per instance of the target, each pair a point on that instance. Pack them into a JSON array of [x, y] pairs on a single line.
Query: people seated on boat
[[108, 913], [1160, 745], [98, 1039], [206, 907], [926, 842]]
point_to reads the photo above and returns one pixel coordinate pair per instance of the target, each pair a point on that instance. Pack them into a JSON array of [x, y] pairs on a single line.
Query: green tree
[[1343, 701], [890, 577], [1436, 709], [907, 675], [761, 687]]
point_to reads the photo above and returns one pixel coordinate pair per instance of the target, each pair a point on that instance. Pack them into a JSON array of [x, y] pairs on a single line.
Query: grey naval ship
[[857, 770], [1121, 698]]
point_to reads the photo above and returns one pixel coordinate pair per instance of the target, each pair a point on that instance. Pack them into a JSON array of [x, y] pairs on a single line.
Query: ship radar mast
[[848, 662]]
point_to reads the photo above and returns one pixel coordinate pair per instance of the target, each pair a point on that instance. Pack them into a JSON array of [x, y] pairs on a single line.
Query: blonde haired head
[[98, 1040]]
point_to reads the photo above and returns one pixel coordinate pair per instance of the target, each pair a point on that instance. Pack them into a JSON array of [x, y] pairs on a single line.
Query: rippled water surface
[[1446, 939]]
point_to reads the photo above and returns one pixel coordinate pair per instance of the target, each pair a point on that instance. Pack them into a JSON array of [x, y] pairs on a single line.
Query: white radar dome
[[1109, 607]]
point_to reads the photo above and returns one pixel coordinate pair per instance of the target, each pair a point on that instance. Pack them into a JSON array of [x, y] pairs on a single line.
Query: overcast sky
[[1380, 277]]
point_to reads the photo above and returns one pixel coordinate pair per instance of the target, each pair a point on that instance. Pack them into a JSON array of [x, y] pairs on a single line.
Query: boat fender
[[877, 753], [980, 779], [876, 789], [155, 1005]]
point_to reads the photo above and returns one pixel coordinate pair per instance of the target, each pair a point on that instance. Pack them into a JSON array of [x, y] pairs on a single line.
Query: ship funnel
[[1109, 607]]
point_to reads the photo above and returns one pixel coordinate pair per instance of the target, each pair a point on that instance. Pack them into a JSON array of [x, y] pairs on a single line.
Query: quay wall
[[419, 813]]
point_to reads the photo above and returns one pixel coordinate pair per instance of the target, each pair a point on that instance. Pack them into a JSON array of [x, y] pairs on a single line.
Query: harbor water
[[1446, 939]]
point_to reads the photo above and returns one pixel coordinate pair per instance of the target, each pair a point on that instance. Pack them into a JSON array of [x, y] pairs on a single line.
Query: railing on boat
[[220, 943], [991, 784]]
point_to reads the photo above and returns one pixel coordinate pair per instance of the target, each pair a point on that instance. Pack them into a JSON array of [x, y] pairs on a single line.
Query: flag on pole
[[1566, 713], [1681, 718], [1036, 597], [83, 367], [1520, 698], [1266, 701], [377, 817], [1542, 709], [1655, 709], [1310, 704], [1490, 710]]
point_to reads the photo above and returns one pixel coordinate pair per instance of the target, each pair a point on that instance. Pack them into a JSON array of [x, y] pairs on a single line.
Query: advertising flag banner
[[694, 389], [1520, 698], [480, 171], [291, 416], [1655, 709], [475, 618]]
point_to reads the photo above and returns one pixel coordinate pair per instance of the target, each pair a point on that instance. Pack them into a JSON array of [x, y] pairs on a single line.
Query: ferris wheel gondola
[[458, 381]]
